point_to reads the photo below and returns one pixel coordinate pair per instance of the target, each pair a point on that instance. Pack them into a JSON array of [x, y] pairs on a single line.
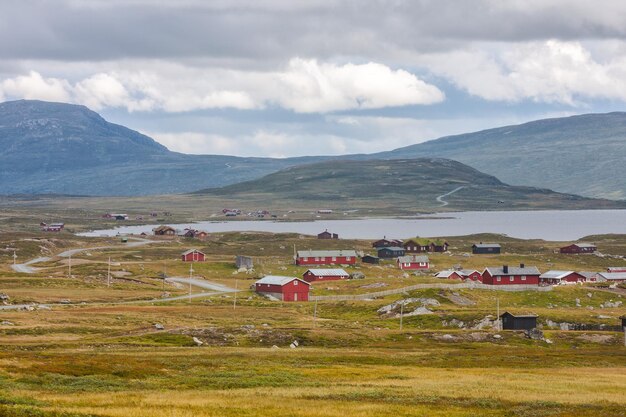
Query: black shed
[[390, 252], [485, 248], [521, 322], [370, 259]]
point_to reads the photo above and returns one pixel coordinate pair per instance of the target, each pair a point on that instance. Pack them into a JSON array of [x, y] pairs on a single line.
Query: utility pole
[[14, 258], [401, 314], [190, 275], [109, 273], [315, 314], [498, 314], [235, 300], [70, 266]]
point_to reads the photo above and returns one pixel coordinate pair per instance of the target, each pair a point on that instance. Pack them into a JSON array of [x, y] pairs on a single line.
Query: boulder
[[357, 275], [6, 323], [159, 326], [534, 334], [197, 341]]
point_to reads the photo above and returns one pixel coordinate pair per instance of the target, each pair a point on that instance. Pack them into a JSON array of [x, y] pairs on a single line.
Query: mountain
[[579, 154], [68, 149], [402, 185], [57, 148]]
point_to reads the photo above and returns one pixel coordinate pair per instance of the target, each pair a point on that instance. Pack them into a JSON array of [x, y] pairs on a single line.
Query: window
[[498, 279], [305, 259], [348, 258], [295, 282], [317, 259], [511, 278], [523, 277], [334, 258]]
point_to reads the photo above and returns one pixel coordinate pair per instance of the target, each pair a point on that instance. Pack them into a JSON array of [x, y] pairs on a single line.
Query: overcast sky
[[284, 77]]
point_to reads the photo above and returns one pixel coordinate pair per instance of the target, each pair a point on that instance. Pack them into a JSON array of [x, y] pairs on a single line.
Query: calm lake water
[[547, 225]]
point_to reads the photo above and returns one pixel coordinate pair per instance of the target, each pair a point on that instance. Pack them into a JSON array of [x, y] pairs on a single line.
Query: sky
[[287, 78]]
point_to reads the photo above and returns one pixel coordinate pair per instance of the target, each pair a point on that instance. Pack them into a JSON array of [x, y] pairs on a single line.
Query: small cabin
[[390, 252], [164, 231], [313, 275], [283, 288], [518, 322], [370, 259], [244, 262], [193, 255], [485, 248], [327, 235]]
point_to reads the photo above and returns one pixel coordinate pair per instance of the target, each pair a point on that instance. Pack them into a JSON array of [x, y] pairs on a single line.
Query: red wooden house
[[471, 274], [449, 275], [313, 275], [326, 257], [283, 288], [578, 248], [560, 277], [506, 275], [193, 255], [413, 262]]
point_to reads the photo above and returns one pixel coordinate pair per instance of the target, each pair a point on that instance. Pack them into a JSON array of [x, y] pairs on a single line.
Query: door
[[295, 296]]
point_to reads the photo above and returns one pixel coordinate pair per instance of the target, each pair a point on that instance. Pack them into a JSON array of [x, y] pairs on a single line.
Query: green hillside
[[401, 184], [580, 154]]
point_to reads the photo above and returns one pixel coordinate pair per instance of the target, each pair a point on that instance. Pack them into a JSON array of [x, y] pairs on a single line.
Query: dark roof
[[519, 316]]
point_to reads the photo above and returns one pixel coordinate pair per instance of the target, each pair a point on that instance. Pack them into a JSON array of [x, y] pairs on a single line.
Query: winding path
[[445, 203]]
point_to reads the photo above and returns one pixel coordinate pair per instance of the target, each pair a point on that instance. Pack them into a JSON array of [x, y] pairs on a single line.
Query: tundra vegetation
[[124, 350]]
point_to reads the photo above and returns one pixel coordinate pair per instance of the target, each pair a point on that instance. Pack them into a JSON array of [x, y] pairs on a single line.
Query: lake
[[557, 225]]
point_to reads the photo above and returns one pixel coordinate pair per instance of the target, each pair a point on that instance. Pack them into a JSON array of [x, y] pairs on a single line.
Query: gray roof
[[555, 274], [393, 248], [616, 268], [466, 272], [529, 270], [325, 253], [446, 274], [585, 245], [278, 280], [413, 258], [487, 245], [327, 271], [609, 276], [187, 252], [587, 274]]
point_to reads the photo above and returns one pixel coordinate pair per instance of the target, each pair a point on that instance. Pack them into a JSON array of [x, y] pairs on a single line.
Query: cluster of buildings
[[188, 232]]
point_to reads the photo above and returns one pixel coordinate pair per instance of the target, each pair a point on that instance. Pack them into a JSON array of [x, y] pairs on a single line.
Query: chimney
[[521, 265], [505, 269]]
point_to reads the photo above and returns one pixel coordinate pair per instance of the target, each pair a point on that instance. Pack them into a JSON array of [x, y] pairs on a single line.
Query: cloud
[[304, 86], [552, 71]]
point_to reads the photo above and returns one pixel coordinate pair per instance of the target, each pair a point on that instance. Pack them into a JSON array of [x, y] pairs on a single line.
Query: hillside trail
[[26, 267], [442, 201]]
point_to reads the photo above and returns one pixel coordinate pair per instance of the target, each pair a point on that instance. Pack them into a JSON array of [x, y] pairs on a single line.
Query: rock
[[357, 275], [248, 327], [295, 342], [486, 323], [447, 337], [275, 347], [65, 301], [43, 307], [292, 346], [395, 307], [419, 311], [578, 302], [6, 323], [405, 275], [159, 326], [564, 326], [197, 341], [265, 325], [548, 341], [4, 298], [497, 336], [551, 323], [166, 295], [534, 334], [589, 295], [611, 304]]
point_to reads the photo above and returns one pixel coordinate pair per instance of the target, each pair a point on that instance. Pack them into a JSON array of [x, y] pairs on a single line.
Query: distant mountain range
[[68, 149], [403, 185]]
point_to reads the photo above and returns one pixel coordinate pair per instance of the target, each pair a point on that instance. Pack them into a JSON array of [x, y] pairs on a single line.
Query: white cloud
[[552, 71], [34, 86], [304, 86]]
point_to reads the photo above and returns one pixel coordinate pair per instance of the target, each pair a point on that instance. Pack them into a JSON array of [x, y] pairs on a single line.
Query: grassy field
[[102, 355]]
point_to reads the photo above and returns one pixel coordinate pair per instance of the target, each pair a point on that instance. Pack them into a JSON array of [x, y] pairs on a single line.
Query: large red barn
[[506, 275], [326, 257], [193, 255], [283, 288]]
